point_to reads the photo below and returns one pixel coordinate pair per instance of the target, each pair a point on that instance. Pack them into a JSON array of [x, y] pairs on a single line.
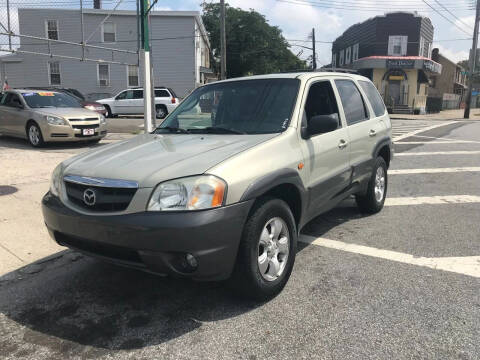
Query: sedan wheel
[[35, 135]]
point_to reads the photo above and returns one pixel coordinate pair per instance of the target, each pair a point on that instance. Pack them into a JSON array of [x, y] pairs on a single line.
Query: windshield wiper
[[219, 130], [172, 129]]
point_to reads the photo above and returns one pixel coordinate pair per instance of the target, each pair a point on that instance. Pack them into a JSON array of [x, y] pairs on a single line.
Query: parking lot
[[400, 284]]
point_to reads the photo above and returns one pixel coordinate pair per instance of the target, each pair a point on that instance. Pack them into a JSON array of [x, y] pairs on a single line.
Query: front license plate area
[[88, 132]]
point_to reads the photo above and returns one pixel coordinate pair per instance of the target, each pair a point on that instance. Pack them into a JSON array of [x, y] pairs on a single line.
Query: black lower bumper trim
[[153, 241]]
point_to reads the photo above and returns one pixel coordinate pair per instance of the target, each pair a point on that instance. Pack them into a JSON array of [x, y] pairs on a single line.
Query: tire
[[372, 202], [34, 135], [161, 111], [248, 279], [109, 112]]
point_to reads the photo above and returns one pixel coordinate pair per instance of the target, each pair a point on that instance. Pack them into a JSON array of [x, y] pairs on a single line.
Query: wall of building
[[173, 59]]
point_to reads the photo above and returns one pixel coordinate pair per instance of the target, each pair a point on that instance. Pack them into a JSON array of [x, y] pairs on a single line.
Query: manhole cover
[[7, 190]]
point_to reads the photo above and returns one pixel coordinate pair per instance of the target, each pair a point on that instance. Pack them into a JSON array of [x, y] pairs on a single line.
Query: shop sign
[[400, 64], [451, 97], [396, 77]]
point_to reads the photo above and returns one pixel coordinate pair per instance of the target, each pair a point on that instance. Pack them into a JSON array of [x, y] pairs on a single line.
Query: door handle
[[372, 133], [342, 144]]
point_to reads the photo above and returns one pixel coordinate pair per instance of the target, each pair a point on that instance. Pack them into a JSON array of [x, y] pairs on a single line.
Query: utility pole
[[314, 58], [148, 101], [223, 43], [8, 26], [473, 60]]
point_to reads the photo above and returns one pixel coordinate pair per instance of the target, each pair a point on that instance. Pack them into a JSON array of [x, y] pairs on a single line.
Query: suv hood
[[150, 159], [66, 112]]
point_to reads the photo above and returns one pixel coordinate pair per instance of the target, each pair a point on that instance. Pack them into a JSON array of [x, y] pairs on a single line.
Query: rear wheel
[[374, 199], [34, 135], [267, 250], [161, 111]]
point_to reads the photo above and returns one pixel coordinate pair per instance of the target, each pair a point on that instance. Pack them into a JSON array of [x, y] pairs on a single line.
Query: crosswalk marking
[[433, 170], [434, 142], [437, 153], [468, 265], [432, 200], [398, 134]]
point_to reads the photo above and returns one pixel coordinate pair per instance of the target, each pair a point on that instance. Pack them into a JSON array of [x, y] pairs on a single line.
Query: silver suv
[[222, 188]]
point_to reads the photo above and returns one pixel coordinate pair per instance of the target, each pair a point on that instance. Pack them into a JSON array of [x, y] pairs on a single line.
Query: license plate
[[88, 132]]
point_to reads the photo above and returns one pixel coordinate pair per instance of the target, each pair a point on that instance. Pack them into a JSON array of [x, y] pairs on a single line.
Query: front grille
[[106, 198], [58, 135], [92, 126], [102, 249], [84, 119]]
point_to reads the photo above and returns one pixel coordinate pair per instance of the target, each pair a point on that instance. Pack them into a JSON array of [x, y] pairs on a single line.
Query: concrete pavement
[[456, 114]]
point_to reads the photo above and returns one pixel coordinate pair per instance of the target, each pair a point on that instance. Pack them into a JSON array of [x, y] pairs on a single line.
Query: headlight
[[53, 120], [192, 193], [102, 119], [56, 182], [90, 107]]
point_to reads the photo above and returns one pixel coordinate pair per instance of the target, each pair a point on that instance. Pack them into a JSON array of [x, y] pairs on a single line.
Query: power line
[[358, 7], [450, 21], [460, 20]]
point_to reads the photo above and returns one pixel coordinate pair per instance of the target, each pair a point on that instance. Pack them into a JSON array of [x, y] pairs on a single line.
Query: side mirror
[[320, 124]]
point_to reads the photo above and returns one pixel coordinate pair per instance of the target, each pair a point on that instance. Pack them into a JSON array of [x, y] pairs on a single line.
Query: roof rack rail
[[339, 70]]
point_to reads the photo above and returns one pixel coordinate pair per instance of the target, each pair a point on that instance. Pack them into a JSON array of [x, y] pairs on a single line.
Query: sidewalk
[[443, 115]]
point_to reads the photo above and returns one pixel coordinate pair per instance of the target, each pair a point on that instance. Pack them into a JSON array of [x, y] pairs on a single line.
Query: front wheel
[[374, 199], [34, 135], [267, 250]]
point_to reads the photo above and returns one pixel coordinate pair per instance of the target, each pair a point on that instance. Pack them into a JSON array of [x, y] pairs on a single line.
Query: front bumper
[[154, 242], [73, 133]]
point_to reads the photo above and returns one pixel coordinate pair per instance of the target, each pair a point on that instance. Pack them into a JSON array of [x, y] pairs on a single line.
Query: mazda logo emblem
[[89, 197]]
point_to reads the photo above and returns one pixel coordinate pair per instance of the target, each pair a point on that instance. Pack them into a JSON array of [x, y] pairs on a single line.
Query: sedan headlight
[[54, 120], [191, 193], [102, 119], [56, 181]]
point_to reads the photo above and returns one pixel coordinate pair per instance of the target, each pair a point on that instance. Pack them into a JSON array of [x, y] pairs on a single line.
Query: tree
[[253, 46], [466, 65]]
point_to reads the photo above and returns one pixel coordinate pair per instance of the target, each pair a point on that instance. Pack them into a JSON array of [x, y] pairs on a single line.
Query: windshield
[[237, 107], [46, 99]]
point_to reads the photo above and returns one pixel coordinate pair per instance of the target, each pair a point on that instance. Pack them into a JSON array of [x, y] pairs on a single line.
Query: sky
[[296, 18], [330, 18]]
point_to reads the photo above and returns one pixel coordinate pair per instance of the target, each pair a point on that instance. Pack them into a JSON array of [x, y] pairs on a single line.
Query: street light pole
[[473, 60], [147, 69], [223, 43], [314, 58]]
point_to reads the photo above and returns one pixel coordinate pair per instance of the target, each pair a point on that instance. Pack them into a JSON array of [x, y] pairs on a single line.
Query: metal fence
[[15, 38]]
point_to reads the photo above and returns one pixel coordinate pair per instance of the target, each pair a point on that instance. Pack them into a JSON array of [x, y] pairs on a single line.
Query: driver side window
[[320, 101]]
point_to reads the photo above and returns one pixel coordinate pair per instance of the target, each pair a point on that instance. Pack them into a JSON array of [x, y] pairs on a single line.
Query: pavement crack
[[7, 250]]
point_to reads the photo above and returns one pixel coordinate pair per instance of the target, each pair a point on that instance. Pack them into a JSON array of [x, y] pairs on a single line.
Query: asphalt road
[[402, 284], [122, 124]]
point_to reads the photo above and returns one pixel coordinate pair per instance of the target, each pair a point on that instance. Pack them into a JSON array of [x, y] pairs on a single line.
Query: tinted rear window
[[374, 97], [352, 101], [161, 93]]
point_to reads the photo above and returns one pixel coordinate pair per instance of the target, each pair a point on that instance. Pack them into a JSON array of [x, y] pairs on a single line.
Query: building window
[[342, 57], [348, 55], [108, 32], [54, 73], [356, 48], [397, 45], [334, 60], [132, 75], [429, 54], [103, 72], [51, 27]]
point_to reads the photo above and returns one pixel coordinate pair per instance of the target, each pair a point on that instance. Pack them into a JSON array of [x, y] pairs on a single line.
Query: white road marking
[[468, 265], [403, 136], [432, 200], [438, 153], [434, 142], [446, 139], [433, 171]]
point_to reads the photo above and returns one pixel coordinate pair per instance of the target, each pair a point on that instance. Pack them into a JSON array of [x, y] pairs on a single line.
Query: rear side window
[[161, 93], [138, 94], [352, 101], [374, 97]]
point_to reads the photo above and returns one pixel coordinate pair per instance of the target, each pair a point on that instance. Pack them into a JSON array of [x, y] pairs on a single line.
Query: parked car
[[130, 102], [225, 194], [47, 116], [87, 104]]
